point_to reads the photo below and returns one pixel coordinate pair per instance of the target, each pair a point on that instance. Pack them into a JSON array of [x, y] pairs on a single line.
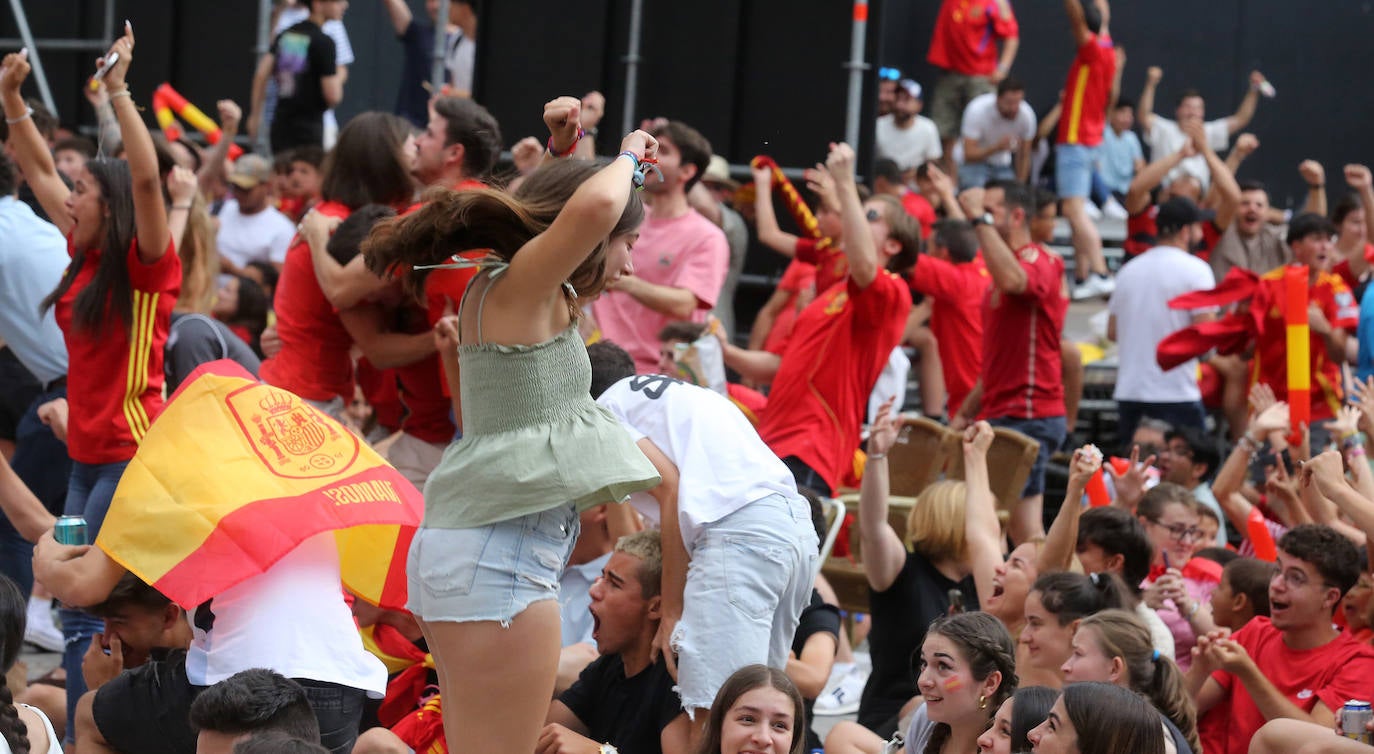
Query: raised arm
[[1145, 108], [1078, 23], [546, 261], [150, 214], [27, 145], [982, 531], [1326, 472], [399, 13], [1007, 273], [1248, 103], [230, 115], [1245, 145], [1271, 419], [884, 555], [765, 220], [79, 575], [1224, 191], [1314, 175], [864, 264], [1062, 539], [1145, 181]]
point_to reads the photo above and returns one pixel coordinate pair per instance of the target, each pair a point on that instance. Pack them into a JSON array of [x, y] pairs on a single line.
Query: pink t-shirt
[[689, 252], [1184, 637]]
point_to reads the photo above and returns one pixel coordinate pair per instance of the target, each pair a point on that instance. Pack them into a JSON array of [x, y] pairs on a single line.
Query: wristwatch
[[983, 219]]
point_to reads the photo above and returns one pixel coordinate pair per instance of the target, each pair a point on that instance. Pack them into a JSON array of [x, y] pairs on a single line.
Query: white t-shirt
[[909, 147], [984, 124], [721, 461], [891, 384], [1165, 138], [1143, 318], [260, 237], [461, 59], [291, 619]]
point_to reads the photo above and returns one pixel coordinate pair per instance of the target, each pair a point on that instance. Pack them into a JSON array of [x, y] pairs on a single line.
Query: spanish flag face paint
[[953, 684]]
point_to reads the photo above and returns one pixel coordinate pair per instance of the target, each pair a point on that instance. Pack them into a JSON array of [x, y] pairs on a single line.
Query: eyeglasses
[[1293, 577], [873, 215], [1180, 450], [889, 74], [1180, 532]]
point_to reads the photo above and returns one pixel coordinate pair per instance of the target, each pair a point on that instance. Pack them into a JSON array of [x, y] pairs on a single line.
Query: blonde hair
[[199, 260], [935, 526]]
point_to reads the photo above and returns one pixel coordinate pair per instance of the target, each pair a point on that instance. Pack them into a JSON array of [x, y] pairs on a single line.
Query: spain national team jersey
[[956, 318], [114, 387], [1021, 335], [832, 266], [966, 34], [1268, 307], [1086, 92], [839, 346]]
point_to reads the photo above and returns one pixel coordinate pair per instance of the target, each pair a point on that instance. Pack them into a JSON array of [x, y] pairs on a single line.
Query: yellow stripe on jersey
[[140, 356], [1080, 90]]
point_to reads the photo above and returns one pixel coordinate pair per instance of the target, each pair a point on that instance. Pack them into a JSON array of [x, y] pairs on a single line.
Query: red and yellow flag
[[234, 474], [1299, 338]]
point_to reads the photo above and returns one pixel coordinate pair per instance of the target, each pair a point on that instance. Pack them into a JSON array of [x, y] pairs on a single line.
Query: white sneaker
[[1093, 212], [1094, 286], [841, 696], [41, 632], [1113, 209]]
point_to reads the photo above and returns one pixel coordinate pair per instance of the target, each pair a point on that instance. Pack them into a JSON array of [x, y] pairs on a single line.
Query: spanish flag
[[234, 474]]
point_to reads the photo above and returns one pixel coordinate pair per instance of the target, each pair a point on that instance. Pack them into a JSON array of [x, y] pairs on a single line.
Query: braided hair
[[986, 647], [13, 606]]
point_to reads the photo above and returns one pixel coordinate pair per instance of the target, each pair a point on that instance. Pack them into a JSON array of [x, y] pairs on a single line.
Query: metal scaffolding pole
[[22, 21], [632, 60], [856, 66], [437, 72]]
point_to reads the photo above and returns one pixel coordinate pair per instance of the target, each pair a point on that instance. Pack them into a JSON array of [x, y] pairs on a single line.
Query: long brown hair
[[108, 298], [743, 681], [987, 648], [366, 166], [1109, 719], [454, 221]]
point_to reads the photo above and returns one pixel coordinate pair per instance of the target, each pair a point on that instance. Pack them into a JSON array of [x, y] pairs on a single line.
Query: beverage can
[[1267, 89], [1354, 716], [70, 530]]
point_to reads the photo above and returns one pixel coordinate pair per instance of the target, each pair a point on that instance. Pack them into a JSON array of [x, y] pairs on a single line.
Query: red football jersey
[[966, 34], [1023, 330], [1086, 93], [956, 318]]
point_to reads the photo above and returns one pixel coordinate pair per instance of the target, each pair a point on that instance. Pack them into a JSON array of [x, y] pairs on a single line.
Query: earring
[[982, 702]]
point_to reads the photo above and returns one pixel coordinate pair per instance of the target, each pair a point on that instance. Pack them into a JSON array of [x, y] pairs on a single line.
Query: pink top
[[1184, 637], [682, 252]]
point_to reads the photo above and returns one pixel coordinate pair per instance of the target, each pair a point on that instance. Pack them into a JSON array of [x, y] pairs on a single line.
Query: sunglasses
[[889, 74], [873, 215]]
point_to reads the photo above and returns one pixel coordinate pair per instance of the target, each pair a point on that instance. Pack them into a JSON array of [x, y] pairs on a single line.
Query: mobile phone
[[105, 67]]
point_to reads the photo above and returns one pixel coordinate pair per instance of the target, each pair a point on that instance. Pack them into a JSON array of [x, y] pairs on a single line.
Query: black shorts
[[18, 390], [148, 709]]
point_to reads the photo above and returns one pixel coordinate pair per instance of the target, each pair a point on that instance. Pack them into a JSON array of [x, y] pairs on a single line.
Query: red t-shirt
[[1342, 268], [919, 207], [956, 318], [1267, 308], [832, 266], [1141, 231], [1024, 381], [1086, 93], [798, 277], [966, 34], [383, 396], [114, 388], [840, 345], [314, 361], [1333, 673]]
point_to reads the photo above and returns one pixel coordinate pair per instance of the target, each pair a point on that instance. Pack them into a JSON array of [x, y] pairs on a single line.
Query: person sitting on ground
[[249, 703], [1112, 540], [1054, 607], [1113, 646], [757, 709], [1169, 514], [1242, 594], [1027, 708], [276, 742], [23, 729], [625, 698], [1099, 718]]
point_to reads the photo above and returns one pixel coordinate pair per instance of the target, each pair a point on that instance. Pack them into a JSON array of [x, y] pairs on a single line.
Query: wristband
[[1193, 611], [1248, 443], [633, 157], [28, 113], [571, 147], [121, 93], [876, 456], [181, 206], [1355, 451]]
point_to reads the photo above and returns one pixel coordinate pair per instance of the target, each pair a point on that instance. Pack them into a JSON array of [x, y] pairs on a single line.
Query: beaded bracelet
[[28, 113], [571, 147]]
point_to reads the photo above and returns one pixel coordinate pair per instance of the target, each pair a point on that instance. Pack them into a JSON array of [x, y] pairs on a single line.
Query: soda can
[[1354, 716], [70, 530]]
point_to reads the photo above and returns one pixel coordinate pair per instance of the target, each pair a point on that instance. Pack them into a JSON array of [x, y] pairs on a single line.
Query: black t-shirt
[[196, 339], [628, 713], [816, 618], [900, 616], [303, 55], [417, 44]]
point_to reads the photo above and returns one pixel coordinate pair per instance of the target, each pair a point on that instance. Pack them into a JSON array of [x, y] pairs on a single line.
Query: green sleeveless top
[[533, 438]]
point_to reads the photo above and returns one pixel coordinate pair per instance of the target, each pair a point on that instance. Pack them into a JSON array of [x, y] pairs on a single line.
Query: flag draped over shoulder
[[234, 474]]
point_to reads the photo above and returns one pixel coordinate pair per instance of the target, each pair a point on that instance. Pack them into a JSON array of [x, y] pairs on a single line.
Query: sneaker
[[45, 636], [841, 697], [1093, 212], [1094, 286], [1112, 209]]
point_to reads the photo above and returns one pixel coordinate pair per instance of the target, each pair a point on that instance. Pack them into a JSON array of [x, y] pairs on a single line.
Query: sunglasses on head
[[889, 74], [873, 215]]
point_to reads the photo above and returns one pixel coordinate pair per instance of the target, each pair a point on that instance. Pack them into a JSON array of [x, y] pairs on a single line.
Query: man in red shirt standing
[[840, 342], [1334, 315], [1080, 132], [1293, 664], [1023, 316], [965, 46]]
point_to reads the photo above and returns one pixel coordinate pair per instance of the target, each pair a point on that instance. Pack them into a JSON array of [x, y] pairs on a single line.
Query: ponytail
[[1169, 694], [1152, 675]]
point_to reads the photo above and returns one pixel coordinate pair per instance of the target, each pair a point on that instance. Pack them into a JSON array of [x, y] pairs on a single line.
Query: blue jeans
[[1049, 432], [41, 463], [977, 174], [89, 492], [339, 710]]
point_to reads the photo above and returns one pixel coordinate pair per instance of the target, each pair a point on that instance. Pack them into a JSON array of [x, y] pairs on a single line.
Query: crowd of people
[[627, 490]]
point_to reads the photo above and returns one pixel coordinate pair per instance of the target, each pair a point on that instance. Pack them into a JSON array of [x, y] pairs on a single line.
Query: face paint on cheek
[[954, 684]]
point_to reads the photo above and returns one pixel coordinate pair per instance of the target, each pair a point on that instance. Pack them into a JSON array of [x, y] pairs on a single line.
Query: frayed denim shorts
[[490, 572]]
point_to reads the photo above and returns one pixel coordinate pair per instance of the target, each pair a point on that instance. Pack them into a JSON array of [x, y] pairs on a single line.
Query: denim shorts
[[749, 578], [1049, 432], [490, 572], [977, 174], [1073, 170]]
